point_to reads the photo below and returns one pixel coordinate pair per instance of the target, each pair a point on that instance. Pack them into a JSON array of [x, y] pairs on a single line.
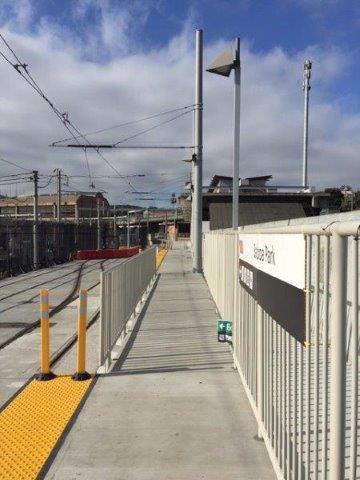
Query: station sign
[[272, 270]]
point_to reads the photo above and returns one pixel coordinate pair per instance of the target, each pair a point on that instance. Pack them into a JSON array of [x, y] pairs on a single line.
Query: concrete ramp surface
[[173, 408]]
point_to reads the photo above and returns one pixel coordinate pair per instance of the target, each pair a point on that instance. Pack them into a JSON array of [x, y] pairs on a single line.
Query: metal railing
[[304, 394], [122, 288]]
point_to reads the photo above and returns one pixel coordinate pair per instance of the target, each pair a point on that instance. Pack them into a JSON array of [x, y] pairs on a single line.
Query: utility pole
[[35, 179], [237, 77], [197, 194], [58, 173], [306, 88], [98, 223]]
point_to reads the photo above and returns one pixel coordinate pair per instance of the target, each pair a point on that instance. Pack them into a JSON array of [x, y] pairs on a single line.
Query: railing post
[[236, 293], [81, 373], [337, 357], [102, 319], [45, 373], [260, 366]]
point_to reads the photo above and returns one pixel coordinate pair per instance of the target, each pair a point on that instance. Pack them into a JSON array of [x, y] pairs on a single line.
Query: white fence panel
[[122, 288], [304, 395]]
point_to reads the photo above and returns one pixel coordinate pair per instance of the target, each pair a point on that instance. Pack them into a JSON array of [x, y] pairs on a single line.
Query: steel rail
[[64, 303]]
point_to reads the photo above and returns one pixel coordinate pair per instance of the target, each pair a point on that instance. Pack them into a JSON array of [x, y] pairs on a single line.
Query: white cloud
[[137, 83]]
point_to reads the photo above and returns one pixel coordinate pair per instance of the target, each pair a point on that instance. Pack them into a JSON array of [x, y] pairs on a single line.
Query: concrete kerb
[[126, 333]]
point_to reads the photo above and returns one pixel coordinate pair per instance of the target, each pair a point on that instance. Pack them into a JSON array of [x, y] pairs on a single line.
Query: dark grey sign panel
[[282, 301]]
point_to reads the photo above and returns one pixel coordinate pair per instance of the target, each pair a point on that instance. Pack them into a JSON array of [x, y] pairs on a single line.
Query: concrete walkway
[[172, 408]]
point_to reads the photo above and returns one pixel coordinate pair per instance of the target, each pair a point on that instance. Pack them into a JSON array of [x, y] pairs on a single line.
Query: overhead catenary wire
[[131, 122], [14, 164], [152, 128], [23, 70]]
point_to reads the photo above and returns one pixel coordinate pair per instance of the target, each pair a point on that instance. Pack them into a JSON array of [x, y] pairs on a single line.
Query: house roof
[[216, 178]]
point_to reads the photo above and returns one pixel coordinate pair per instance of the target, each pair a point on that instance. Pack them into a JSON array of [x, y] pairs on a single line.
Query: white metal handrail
[[304, 396], [122, 288]]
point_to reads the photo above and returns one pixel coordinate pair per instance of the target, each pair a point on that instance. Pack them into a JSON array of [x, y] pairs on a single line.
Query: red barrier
[[105, 253]]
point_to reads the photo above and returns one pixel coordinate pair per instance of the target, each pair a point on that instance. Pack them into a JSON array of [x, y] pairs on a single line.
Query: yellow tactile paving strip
[[160, 257], [33, 422]]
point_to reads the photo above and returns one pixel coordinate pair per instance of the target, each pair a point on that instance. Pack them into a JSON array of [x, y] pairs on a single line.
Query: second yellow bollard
[[81, 373]]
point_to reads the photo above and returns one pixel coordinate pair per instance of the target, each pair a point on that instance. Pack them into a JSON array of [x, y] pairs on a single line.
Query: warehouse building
[[74, 206]]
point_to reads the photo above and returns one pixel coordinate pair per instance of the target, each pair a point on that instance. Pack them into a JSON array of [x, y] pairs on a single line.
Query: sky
[[110, 62]]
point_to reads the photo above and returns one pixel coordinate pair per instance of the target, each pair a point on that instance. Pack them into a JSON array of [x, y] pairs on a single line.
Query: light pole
[[222, 65], [197, 159], [306, 88]]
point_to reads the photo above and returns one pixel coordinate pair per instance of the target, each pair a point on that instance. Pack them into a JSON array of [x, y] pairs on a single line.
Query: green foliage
[[335, 198]]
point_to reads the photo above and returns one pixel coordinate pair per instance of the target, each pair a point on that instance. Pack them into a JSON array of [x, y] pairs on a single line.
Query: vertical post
[[147, 227], [192, 200], [338, 358], [260, 369], [81, 373], [114, 227], [198, 146], [45, 373], [306, 88], [36, 219], [236, 153], [128, 230], [58, 172], [354, 354], [175, 220], [98, 223], [166, 226]]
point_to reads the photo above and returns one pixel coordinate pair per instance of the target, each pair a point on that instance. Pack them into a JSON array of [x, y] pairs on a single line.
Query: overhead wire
[[63, 117], [125, 139], [132, 122], [23, 70], [14, 164]]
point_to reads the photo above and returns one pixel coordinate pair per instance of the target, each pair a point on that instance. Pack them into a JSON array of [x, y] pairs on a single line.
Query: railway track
[[70, 297]]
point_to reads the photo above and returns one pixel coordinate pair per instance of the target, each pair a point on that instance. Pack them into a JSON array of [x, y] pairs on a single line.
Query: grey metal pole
[[236, 152], [36, 219], [98, 223], [197, 197], [306, 88], [192, 188], [58, 171], [338, 358]]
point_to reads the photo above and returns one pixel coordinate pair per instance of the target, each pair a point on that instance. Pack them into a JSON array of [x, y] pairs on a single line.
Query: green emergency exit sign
[[224, 331]]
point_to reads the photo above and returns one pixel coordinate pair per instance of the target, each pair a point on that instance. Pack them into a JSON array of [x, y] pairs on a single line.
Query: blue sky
[[108, 60]]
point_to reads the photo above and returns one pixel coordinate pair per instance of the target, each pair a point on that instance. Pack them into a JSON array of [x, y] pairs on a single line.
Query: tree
[[336, 198]]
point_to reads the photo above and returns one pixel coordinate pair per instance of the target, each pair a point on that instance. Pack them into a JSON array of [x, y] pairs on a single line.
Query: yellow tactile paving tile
[[32, 423], [160, 257]]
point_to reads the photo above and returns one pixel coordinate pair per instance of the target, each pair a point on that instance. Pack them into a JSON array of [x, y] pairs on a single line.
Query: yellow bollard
[[45, 373], [81, 373]]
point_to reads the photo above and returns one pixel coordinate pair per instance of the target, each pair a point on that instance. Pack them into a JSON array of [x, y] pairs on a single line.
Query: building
[[74, 206], [223, 184], [258, 202]]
